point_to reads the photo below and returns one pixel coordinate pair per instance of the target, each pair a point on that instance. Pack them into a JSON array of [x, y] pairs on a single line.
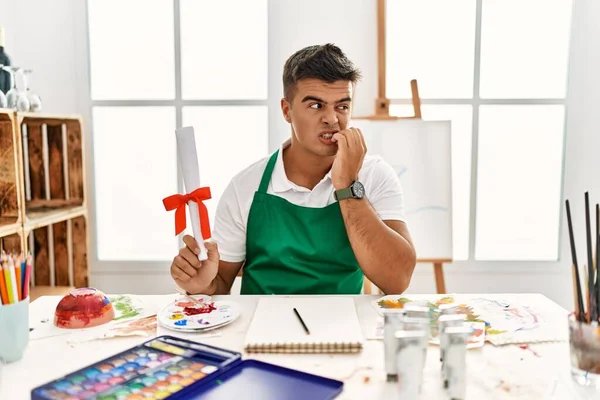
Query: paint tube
[[392, 322], [419, 324], [455, 378], [408, 361], [446, 321]]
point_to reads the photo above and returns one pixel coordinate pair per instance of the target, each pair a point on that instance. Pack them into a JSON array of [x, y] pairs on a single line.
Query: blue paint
[[181, 322]]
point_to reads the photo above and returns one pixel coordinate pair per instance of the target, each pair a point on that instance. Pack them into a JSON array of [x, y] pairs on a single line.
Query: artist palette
[[185, 315]]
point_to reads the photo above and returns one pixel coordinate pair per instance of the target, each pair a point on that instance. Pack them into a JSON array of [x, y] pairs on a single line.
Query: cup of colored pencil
[[584, 322], [15, 274]]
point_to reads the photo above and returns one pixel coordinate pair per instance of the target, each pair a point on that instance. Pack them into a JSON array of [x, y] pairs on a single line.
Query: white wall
[[56, 50]]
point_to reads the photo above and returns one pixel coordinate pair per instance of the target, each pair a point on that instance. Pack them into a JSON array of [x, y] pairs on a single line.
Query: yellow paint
[[176, 317]]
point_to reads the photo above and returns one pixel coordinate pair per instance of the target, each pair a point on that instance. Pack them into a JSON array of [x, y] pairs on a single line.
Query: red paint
[[526, 347], [203, 309], [82, 308]]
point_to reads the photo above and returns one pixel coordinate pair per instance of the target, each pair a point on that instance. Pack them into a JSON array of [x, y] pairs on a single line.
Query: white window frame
[[476, 102], [81, 27]]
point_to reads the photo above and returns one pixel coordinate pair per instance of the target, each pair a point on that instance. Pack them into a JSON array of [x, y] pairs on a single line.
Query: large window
[[157, 65], [498, 70]]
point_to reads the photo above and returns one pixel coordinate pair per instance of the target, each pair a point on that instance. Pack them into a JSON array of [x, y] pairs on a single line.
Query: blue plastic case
[[172, 368]]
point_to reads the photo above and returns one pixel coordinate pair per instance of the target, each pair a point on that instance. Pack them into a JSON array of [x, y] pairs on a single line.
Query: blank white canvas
[[420, 153]]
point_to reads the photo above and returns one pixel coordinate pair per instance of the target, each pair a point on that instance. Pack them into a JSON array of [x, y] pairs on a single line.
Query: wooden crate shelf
[[42, 195], [10, 187], [40, 219], [60, 253], [53, 165], [10, 229]]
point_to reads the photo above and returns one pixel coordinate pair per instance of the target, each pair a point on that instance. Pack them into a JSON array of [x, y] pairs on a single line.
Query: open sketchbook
[[332, 322]]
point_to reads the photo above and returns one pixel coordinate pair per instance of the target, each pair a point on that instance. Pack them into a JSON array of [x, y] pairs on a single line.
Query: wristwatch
[[355, 191]]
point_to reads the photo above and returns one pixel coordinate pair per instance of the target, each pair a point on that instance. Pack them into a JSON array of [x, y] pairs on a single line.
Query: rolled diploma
[[188, 159]]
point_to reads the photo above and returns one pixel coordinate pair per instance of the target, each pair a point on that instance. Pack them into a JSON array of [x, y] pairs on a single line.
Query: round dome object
[[83, 308]]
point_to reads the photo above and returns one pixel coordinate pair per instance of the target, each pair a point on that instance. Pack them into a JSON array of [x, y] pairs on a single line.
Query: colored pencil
[[577, 283], [3, 290], [18, 279], [26, 280], [13, 280], [9, 286]]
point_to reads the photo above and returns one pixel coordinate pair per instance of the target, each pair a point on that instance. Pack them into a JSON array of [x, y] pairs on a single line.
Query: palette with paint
[[201, 315]]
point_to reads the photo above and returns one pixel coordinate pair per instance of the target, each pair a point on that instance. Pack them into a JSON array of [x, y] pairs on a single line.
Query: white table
[[506, 372]]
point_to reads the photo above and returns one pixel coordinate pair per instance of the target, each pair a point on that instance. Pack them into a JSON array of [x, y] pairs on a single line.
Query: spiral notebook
[[332, 322]]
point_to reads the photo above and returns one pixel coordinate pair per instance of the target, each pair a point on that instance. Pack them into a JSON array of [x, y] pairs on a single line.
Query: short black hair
[[325, 62]]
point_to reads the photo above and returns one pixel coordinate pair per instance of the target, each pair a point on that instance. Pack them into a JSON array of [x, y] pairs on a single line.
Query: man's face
[[317, 111]]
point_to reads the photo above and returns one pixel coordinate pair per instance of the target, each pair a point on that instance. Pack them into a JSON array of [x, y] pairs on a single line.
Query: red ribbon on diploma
[[179, 201]]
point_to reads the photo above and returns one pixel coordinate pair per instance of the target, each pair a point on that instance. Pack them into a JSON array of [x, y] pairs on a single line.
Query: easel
[[382, 112]]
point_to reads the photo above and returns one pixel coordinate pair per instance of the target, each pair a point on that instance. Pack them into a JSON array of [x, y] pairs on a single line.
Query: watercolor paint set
[[168, 367]]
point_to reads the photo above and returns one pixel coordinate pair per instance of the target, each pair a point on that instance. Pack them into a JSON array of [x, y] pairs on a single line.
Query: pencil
[[8, 283], [577, 283], [301, 321], [26, 281], [18, 279], [3, 291], [13, 280]]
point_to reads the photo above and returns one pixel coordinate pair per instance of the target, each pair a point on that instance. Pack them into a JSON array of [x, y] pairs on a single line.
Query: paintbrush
[[189, 297], [580, 311], [590, 269]]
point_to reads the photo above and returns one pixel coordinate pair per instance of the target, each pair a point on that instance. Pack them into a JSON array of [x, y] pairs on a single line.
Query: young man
[[315, 216]]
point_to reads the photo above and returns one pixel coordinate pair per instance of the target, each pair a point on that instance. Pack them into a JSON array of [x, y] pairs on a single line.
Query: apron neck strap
[[266, 178]]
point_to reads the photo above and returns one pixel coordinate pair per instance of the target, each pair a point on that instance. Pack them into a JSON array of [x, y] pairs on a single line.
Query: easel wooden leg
[[439, 278]]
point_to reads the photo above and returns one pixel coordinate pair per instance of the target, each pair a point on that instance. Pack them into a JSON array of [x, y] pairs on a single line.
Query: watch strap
[[343, 194]]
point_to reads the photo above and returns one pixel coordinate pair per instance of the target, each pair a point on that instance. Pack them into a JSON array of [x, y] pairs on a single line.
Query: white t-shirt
[[382, 190]]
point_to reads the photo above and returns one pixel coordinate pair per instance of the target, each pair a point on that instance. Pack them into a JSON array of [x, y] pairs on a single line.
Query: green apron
[[292, 249]]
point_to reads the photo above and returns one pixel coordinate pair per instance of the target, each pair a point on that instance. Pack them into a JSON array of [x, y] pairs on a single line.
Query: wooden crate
[[59, 253], [42, 195], [10, 187], [12, 243], [53, 163]]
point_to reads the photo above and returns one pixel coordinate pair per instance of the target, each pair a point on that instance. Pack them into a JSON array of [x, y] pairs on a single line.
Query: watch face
[[358, 190]]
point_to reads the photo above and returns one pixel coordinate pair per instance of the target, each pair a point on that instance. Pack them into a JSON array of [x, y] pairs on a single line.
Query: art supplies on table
[[498, 319], [454, 366], [171, 368], [392, 324], [15, 273], [197, 314], [447, 321], [408, 358], [333, 326], [129, 317], [584, 334]]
